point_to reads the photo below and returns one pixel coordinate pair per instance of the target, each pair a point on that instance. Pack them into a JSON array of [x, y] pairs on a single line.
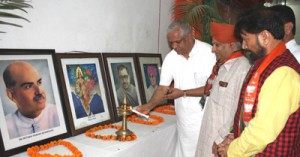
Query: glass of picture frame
[[124, 80], [149, 66], [85, 89], [31, 110]]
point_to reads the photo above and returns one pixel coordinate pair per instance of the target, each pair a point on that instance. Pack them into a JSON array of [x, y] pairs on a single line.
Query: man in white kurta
[[188, 110], [294, 48], [222, 104], [19, 125], [24, 87], [188, 65], [224, 94]]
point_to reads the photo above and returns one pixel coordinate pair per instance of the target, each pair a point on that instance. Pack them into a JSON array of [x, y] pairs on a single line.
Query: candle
[[124, 102], [139, 113]]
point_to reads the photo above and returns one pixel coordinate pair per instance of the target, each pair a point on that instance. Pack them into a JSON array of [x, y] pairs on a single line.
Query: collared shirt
[[221, 107], [294, 48], [187, 74], [281, 87], [131, 96], [19, 125], [149, 92]]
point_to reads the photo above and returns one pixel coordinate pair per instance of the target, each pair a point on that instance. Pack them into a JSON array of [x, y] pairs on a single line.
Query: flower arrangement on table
[[166, 109], [34, 150], [91, 133], [155, 119]]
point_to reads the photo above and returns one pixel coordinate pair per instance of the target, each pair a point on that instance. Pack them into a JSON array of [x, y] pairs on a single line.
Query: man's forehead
[[174, 34], [123, 70], [245, 33]]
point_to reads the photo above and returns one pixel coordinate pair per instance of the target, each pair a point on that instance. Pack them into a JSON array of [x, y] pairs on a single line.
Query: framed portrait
[[31, 110], [85, 89], [123, 79], [149, 66]]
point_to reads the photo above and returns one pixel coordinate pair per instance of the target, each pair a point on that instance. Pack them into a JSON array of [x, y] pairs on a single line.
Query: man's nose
[[38, 89], [244, 46], [213, 49], [174, 45]]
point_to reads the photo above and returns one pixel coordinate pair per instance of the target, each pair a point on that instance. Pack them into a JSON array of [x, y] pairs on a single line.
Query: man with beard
[[24, 87], [268, 116], [126, 88]]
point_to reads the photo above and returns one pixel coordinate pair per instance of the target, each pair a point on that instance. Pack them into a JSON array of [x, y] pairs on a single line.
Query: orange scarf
[[251, 90]]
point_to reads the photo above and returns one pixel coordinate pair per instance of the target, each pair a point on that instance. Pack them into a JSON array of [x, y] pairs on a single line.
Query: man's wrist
[[184, 93]]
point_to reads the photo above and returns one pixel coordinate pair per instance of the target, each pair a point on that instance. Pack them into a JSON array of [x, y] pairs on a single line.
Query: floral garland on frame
[[91, 133], [34, 150], [156, 120]]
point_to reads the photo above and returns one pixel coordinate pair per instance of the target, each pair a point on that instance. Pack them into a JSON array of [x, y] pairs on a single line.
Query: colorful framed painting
[[31, 111], [85, 89], [123, 79], [149, 66]]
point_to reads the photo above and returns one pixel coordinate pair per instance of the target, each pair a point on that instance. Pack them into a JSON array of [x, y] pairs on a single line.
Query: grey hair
[[185, 28]]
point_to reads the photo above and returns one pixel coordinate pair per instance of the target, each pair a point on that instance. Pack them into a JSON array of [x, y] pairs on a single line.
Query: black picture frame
[[112, 61], [43, 61], [147, 62], [88, 90]]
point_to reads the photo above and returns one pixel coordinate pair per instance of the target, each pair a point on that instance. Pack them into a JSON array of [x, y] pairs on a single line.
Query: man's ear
[[190, 37], [264, 37], [10, 94], [288, 27]]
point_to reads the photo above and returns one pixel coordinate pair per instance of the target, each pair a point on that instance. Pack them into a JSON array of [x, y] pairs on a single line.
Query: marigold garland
[[166, 109], [34, 150], [90, 133], [156, 120]]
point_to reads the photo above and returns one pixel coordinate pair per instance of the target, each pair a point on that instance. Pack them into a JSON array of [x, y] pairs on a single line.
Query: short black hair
[[286, 14], [256, 20]]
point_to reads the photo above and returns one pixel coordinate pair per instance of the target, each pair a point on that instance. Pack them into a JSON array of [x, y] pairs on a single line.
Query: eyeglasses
[[121, 77]]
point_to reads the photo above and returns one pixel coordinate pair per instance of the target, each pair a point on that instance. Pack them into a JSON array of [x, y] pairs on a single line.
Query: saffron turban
[[151, 69], [223, 33]]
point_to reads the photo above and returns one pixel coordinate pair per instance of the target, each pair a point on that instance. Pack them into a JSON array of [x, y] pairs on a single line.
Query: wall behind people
[[296, 8], [92, 26]]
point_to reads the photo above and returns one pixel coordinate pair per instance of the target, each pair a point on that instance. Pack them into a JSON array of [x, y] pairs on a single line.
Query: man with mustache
[[24, 87], [268, 115], [188, 64], [126, 88]]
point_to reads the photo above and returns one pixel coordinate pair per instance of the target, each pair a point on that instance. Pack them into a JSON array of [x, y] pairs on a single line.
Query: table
[[152, 141]]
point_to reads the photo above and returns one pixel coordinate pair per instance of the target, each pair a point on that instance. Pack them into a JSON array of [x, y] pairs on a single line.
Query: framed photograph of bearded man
[[85, 90], [31, 110], [123, 79]]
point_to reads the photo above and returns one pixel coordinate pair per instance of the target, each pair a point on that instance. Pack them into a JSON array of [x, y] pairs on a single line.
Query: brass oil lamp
[[124, 110]]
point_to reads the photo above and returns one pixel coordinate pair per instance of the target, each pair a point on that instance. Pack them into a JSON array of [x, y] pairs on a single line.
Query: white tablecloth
[[152, 141]]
